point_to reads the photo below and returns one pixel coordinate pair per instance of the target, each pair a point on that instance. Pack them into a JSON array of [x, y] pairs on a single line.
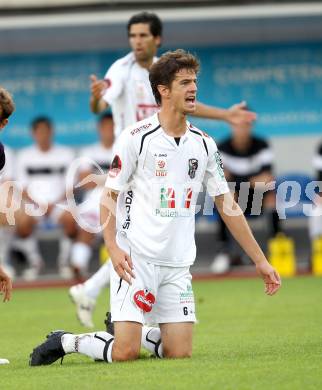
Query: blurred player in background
[[41, 171], [315, 221], [85, 295], [6, 109], [150, 278], [126, 87], [247, 159]]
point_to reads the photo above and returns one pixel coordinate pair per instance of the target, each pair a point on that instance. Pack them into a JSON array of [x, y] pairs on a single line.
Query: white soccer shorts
[[158, 294]]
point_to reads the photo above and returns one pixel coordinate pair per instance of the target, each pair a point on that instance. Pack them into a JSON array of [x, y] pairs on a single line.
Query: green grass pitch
[[244, 340]]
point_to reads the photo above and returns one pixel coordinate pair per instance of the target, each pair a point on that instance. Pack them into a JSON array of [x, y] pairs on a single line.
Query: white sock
[[29, 246], [97, 346], [65, 245], [151, 340], [95, 284], [80, 255]]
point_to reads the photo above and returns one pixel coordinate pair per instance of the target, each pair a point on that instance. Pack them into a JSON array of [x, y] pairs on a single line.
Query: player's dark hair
[[41, 120], [106, 115], [7, 105], [147, 18], [164, 70]]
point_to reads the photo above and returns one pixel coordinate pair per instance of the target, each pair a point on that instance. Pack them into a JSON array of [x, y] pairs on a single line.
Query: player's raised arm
[[235, 115], [98, 87], [236, 222]]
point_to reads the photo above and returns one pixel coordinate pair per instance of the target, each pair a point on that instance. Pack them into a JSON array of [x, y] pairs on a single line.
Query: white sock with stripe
[[97, 346], [151, 340]]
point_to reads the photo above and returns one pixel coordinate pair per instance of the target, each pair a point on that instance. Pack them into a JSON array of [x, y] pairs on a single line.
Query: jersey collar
[[156, 122]]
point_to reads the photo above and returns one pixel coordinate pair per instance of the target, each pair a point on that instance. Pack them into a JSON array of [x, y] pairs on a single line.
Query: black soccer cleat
[[49, 351], [109, 323]]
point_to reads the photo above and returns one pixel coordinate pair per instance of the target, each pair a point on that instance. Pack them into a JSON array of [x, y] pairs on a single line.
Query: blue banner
[[282, 83]]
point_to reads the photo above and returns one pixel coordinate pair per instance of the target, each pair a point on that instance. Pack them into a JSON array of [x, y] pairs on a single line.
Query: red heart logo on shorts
[[144, 300]]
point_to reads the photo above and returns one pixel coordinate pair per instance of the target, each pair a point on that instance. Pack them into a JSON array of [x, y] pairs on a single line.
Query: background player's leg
[[221, 262], [84, 295], [65, 243], [94, 285], [82, 251], [26, 242]]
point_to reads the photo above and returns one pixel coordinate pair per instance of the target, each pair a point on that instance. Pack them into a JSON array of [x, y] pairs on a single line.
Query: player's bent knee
[[121, 354], [177, 354]]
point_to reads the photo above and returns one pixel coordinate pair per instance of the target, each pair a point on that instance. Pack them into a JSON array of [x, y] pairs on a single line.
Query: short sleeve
[[214, 179], [114, 79], [124, 162]]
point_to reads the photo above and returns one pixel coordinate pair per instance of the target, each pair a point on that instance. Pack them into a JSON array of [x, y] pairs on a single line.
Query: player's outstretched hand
[[5, 286], [97, 87], [270, 276], [239, 115], [122, 264]]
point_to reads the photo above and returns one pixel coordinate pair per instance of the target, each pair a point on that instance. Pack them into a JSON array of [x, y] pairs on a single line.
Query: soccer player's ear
[[163, 91], [157, 41]]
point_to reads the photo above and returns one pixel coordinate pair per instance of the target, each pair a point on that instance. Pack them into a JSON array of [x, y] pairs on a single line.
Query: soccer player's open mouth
[[191, 100]]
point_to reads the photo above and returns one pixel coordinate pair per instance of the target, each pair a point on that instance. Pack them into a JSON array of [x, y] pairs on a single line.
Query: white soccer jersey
[[98, 154], [129, 92], [159, 182], [43, 173]]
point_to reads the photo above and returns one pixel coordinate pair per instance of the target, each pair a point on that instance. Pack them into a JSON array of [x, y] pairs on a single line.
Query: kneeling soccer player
[[159, 166]]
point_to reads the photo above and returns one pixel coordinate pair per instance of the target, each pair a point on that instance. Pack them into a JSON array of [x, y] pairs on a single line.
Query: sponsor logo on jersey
[[167, 198], [187, 199], [116, 167], [128, 204], [144, 300], [160, 155], [187, 296], [193, 166], [220, 165], [171, 207], [160, 166], [139, 129]]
